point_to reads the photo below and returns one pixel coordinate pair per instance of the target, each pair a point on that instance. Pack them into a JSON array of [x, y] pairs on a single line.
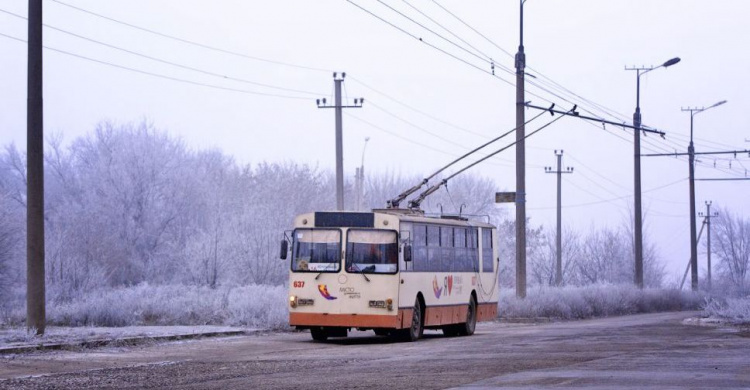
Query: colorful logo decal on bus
[[437, 290], [324, 292]]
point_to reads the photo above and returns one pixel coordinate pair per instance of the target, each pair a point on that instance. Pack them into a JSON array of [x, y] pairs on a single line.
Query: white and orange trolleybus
[[394, 271]]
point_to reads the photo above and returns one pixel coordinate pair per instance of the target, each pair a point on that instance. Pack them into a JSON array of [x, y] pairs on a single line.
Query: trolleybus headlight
[[389, 303], [293, 301]]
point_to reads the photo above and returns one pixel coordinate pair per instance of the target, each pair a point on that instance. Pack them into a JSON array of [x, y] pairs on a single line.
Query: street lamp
[[691, 162], [638, 239]]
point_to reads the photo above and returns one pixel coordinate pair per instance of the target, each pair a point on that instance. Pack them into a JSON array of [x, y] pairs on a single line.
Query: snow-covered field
[[600, 300]]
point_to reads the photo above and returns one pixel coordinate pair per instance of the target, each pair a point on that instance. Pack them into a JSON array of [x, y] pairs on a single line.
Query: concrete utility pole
[[35, 291], [691, 162], [638, 223], [520, 166], [707, 221], [339, 135], [559, 172]]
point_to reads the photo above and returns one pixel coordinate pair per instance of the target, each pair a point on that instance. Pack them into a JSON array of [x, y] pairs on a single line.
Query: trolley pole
[[35, 289], [520, 167], [339, 135], [559, 172], [707, 221]]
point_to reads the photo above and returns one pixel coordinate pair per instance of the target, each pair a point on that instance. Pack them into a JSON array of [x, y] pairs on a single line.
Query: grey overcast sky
[[422, 106]]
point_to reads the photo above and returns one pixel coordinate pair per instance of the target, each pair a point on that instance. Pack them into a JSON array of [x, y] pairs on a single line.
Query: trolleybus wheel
[[416, 329], [319, 333], [467, 328]]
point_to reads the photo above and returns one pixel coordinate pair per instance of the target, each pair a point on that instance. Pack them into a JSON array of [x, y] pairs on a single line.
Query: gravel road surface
[[640, 351]]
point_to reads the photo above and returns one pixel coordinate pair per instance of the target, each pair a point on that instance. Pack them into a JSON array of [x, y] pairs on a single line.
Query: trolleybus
[[393, 271]]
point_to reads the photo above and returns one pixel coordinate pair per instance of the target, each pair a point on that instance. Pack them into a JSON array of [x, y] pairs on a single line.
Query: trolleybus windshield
[[316, 250], [371, 251]]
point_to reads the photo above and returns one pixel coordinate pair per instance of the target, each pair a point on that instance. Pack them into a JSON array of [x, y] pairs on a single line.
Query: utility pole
[[35, 289], [559, 172], [357, 200], [361, 177], [707, 221], [520, 166], [691, 162], [638, 220], [339, 135]]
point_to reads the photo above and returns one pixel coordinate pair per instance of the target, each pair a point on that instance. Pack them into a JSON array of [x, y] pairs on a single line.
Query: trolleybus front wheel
[[319, 333], [416, 329]]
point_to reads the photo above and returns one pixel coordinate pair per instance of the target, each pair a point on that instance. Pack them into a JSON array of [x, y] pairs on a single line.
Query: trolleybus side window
[[371, 251], [433, 248], [446, 248], [487, 260], [462, 257], [472, 243], [316, 250], [419, 248]]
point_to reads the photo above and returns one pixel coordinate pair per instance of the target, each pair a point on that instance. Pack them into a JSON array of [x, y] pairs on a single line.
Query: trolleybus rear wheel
[[467, 328]]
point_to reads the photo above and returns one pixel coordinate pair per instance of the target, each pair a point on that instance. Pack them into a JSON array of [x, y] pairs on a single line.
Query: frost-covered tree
[[731, 244], [543, 260]]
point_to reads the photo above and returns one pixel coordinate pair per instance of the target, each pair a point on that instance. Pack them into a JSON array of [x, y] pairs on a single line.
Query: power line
[[612, 199], [559, 86], [165, 61], [448, 30], [418, 110], [433, 32], [473, 29], [429, 44], [160, 75], [189, 42]]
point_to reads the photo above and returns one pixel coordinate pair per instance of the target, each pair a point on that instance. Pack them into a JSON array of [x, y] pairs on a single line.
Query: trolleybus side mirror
[[284, 249], [407, 253]]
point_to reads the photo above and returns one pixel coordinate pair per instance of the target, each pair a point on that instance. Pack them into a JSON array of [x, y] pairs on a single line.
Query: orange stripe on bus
[[346, 320]]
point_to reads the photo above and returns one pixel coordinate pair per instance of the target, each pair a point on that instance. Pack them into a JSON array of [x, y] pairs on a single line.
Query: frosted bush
[[255, 305], [258, 306], [598, 300], [734, 310]]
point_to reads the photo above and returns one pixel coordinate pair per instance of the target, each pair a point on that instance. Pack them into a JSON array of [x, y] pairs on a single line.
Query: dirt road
[[642, 351]]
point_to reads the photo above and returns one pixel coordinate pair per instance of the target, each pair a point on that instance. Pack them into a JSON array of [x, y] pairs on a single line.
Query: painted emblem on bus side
[[324, 292], [437, 290]]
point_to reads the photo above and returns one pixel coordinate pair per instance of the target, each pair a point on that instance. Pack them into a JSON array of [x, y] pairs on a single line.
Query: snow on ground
[[13, 337]]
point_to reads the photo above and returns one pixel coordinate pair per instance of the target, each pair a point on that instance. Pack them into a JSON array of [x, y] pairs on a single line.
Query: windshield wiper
[[356, 269]]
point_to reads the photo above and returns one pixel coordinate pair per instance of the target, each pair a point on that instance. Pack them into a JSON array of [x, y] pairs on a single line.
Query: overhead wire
[[612, 199], [153, 74], [160, 60], [190, 42]]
